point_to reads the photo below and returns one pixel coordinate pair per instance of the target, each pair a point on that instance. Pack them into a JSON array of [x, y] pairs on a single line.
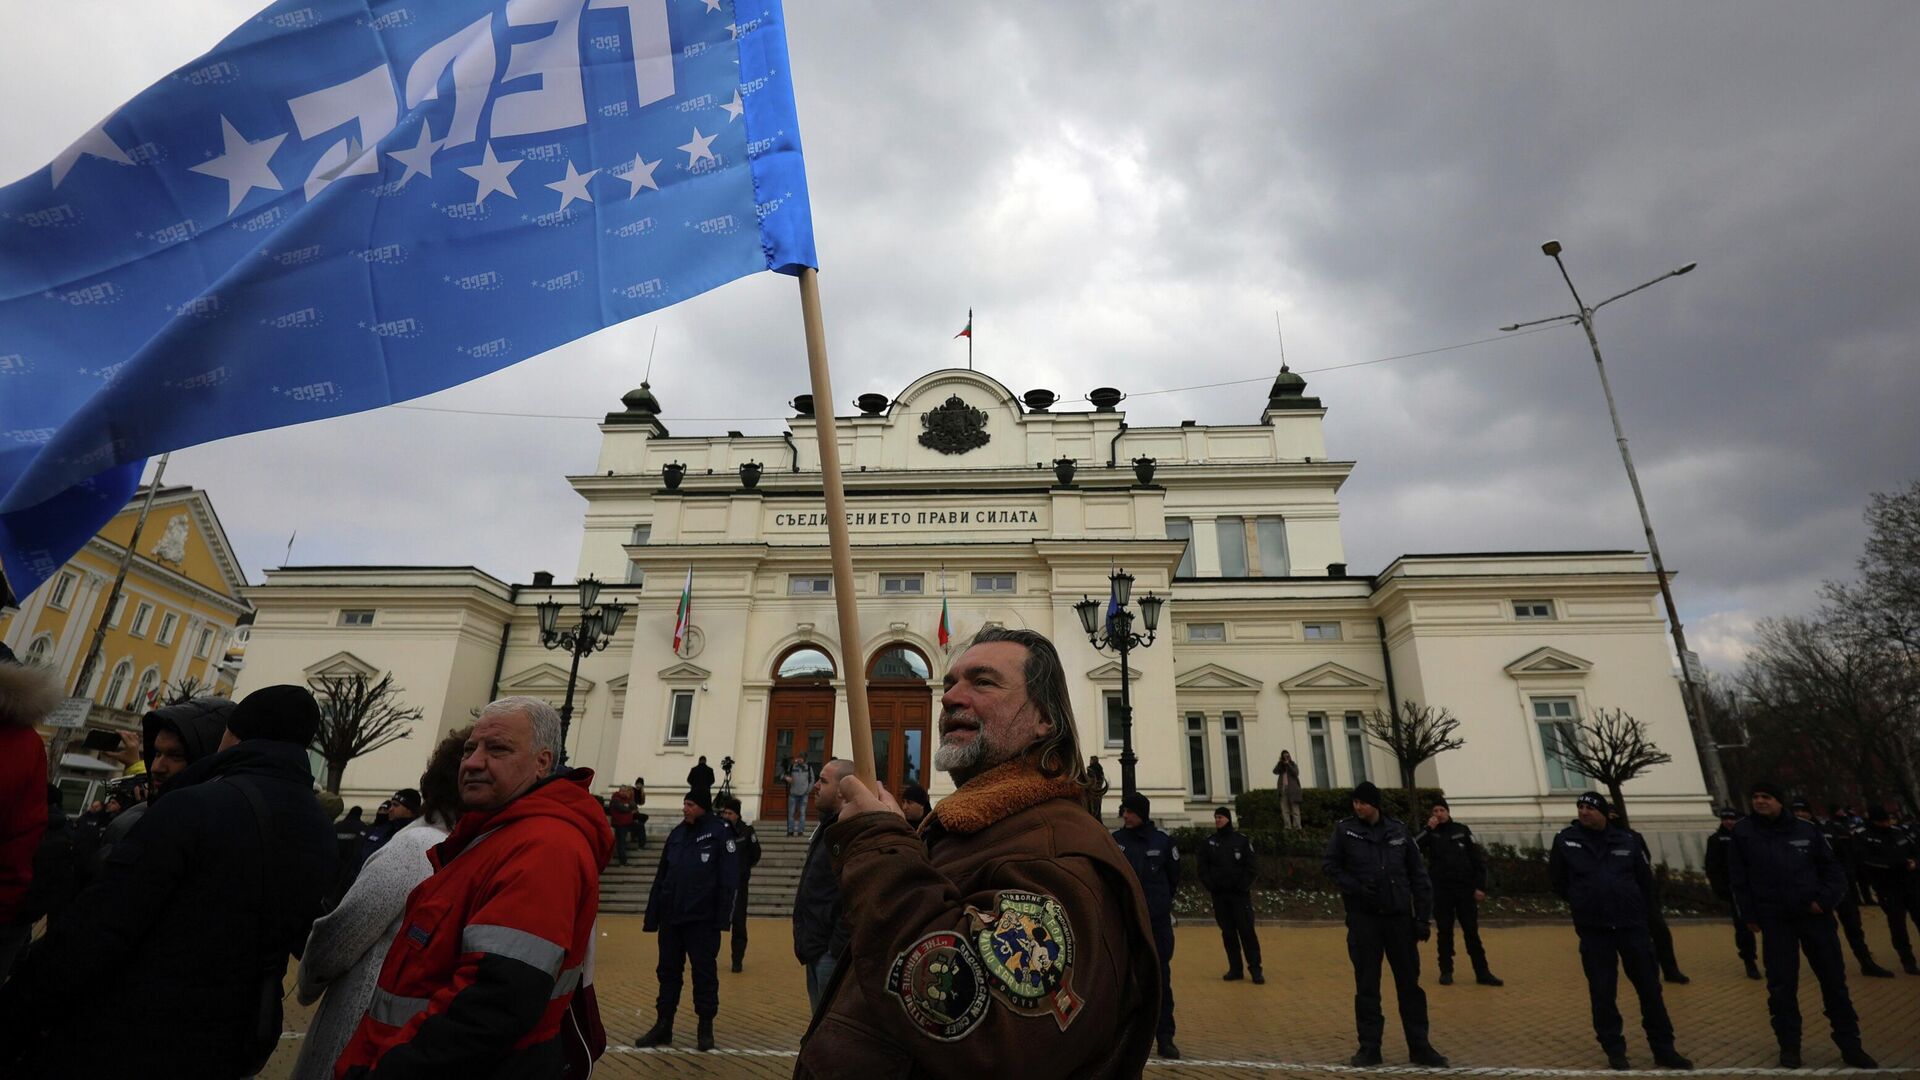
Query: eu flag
[[349, 203]]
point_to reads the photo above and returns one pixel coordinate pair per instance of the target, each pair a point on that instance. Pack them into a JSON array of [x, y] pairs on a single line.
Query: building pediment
[[1215, 677], [1331, 677], [341, 665], [542, 680], [1108, 674], [684, 672], [1550, 662]]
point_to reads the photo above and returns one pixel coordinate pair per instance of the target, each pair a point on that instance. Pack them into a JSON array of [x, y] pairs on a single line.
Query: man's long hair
[[1057, 754]]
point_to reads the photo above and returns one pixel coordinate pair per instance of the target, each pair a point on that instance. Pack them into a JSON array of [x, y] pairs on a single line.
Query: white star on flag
[[712, 5], [419, 160], [734, 108], [492, 175], [96, 143], [700, 147], [573, 186], [244, 164], [641, 175]]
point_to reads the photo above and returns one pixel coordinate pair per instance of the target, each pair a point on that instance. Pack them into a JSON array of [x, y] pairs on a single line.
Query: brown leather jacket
[[1015, 939]]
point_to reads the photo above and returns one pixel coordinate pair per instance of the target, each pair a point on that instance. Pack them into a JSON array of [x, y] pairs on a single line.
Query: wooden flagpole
[[827, 435]]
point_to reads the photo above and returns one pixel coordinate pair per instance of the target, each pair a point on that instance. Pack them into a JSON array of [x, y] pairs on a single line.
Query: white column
[[183, 647], [80, 621], [20, 630]]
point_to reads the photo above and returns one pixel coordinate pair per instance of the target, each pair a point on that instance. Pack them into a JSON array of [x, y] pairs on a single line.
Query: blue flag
[[349, 203]]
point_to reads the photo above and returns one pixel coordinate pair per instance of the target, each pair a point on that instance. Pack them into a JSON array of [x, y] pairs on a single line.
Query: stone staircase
[[623, 889]]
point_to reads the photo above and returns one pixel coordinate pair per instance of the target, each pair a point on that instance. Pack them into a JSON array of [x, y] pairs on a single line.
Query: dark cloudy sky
[[1126, 192]]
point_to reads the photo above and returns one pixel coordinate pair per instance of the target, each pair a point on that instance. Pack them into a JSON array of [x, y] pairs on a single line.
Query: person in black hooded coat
[[196, 912], [171, 738]]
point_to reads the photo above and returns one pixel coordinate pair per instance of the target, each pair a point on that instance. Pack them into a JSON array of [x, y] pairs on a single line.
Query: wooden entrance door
[[799, 720], [900, 723], [900, 701]]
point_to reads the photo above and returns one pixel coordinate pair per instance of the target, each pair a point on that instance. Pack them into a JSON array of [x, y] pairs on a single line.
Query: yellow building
[[175, 619]]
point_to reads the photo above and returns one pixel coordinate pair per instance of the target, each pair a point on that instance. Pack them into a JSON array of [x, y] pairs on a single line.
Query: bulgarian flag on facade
[[680, 620], [946, 622]]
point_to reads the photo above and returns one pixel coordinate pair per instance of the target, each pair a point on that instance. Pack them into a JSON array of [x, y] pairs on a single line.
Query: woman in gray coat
[[349, 944]]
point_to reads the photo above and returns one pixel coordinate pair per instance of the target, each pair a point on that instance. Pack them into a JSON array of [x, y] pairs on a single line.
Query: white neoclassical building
[[958, 489]]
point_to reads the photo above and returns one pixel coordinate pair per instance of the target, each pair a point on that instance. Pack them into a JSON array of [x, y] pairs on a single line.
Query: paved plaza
[[1301, 1022]]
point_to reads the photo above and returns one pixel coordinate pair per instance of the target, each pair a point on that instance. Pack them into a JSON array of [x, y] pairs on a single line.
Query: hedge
[[1323, 808]]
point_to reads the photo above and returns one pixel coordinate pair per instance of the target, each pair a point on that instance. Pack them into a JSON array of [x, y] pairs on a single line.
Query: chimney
[[543, 579]]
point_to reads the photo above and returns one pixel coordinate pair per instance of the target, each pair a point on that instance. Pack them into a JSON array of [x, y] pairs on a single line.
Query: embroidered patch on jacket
[[1027, 947], [418, 935], [941, 985]]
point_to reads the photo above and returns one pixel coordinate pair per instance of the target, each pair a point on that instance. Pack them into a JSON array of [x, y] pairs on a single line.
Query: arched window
[[41, 651], [117, 683], [149, 681], [899, 663], [804, 663]]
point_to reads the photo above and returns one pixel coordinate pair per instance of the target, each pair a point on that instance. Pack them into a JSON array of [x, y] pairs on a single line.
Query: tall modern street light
[[1697, 713], [592, 633], [1117, 634]]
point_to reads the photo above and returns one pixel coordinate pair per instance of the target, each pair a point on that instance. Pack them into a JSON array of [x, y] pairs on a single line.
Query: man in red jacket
[[493, 946]]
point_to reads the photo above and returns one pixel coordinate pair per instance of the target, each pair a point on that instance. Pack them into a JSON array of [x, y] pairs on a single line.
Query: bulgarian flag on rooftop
[[685, 613]]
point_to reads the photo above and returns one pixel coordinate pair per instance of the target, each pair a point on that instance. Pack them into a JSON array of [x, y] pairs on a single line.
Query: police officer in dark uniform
[[1718, 843], [690, 903], [1156, 862], [1389, 903], [1604, 873], [1839, 833], [1459, 874], [1227, 870], [1887, 861], [747, 843], [1786, 883]]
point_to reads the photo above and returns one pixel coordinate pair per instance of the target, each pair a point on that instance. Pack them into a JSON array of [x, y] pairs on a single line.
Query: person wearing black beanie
[[1389, 901], [1786, 885], [1156, 863], [282, 713], [689, 905], [1227, 869]]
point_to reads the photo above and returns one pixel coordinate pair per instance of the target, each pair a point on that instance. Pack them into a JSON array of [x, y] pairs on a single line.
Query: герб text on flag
[[349, 203]]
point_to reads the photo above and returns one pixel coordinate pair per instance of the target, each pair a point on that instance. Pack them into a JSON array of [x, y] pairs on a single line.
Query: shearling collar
[[999, 793]]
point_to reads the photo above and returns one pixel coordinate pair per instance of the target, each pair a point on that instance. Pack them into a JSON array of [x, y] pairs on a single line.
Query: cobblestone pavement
[[1301, 1022]]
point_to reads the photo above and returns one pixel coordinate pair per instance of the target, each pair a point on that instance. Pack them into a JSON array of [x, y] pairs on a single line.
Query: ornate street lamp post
[[1117, 634], [592, 633]]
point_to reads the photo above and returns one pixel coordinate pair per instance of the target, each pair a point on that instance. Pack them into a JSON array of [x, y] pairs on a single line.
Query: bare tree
[[185, 689], [1612, 748], [358, 716], [1413, 734]]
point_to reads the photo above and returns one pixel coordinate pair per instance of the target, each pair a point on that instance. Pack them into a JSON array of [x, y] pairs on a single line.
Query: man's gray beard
[[971, 756]]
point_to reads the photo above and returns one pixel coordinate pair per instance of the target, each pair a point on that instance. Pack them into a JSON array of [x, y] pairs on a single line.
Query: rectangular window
[[62, 591], [1116, 718], [641, 534], [168, 624], [1207, 631], [1182, 529], [1271, 532], [902, 585], [357, 617], [119, 609], [142, 615], [1317, 740], [1197, 755], [635, 575], [1322, 631], [1236, 761], [1533, 609], [1555, 717], [205, 644], [680, 718], [1232, 532], [993, 583], [1357, 748], [809, 585]]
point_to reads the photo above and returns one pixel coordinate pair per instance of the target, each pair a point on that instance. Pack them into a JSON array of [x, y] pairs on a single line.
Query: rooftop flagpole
[[827, 436]]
